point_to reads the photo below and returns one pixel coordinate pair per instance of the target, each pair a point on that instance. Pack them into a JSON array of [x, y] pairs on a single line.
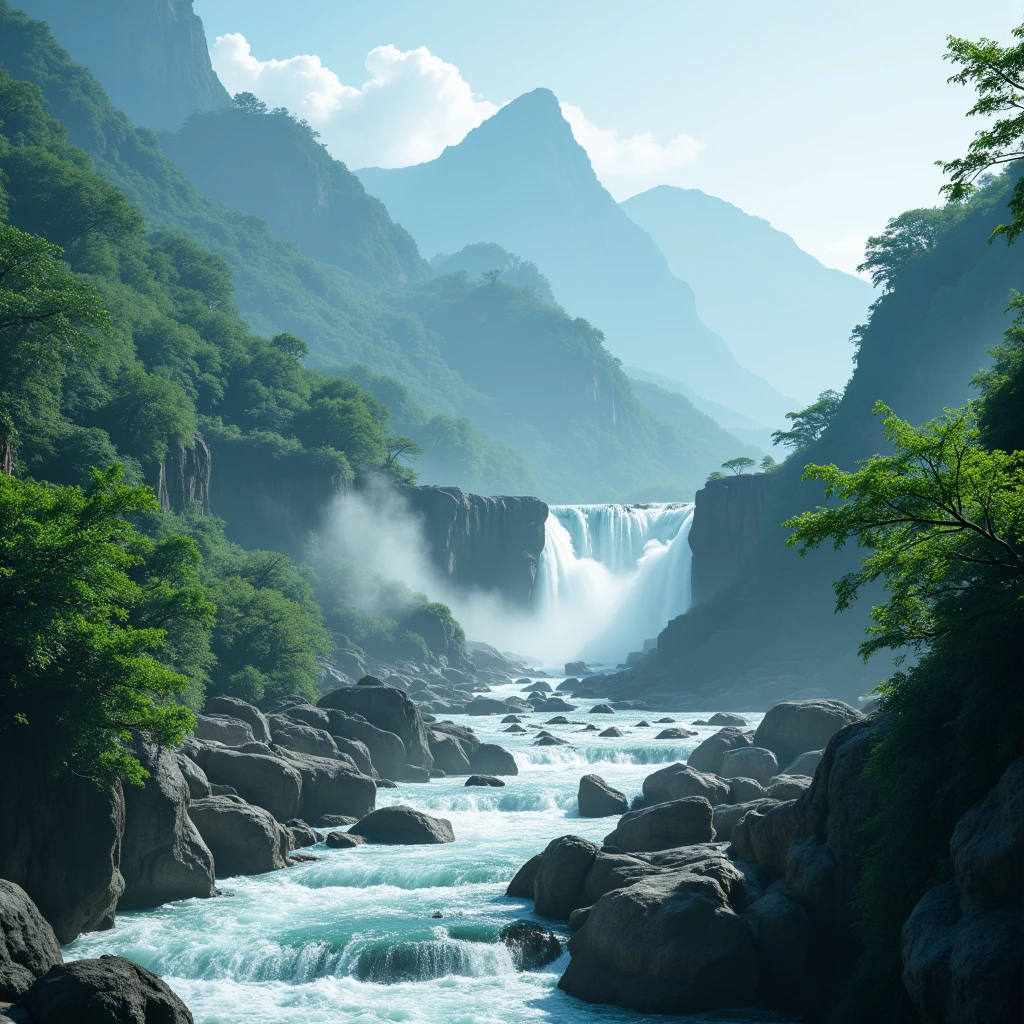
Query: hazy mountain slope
[[783, 314], [774, 626], [271, 165], [522, 180], [150, 55]]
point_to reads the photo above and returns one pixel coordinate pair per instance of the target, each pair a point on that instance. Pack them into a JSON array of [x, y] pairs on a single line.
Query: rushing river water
[[351, 937]]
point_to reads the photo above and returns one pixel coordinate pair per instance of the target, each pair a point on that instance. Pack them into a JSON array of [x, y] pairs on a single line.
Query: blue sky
[[825, 118]]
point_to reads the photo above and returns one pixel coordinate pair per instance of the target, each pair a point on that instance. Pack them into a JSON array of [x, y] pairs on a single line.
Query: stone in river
[[602, 709], [484, 780], [401, 825]]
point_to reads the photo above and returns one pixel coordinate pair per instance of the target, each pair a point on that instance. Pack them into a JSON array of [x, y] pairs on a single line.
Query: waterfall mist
[[609, 578]]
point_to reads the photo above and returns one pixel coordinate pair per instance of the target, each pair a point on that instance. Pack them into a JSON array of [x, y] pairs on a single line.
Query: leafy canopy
[[810, 423], [738, 465]]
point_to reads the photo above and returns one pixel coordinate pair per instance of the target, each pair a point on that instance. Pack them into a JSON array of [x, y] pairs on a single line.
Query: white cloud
[[622, 159], [411, 107]]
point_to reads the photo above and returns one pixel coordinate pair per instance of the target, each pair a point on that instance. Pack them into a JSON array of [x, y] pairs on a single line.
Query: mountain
[[772, 632], [522, 181], [783, 314], [300, 191], [150, 55]]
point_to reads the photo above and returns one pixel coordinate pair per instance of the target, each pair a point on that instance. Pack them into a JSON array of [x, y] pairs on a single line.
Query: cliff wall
[[727, 522], [476, 541]]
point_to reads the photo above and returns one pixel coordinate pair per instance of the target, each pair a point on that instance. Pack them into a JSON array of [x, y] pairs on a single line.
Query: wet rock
[[485, 706], [805, 764], [576, 668], [679, 780], [110, 990], [244, 839], [557, 720], [589, 728], [727, 718], [521, 886], [545, 739], [413, 773], [269, 782], [510, 718], [163, 856], [602, 709], [490, 759], [568, 684], [223, 729], [194, 776], [578, 918], [707, 757], [643, 725], [675, 734], [599, 800], [232, 707], [742, 790], [664, 721], [757, 763], [794, 727], [449, 755], [484, 780], [335, 820], [28, 947], [386, 784], [404, 826], [343, 840], [532, 946], [558, 887], [387, 708], [681, 822], [515, 729], [612, 733], [302, 835], [538, 686]]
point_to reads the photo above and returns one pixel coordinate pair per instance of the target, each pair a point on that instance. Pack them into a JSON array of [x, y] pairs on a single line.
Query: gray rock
[[235, 708], [602, 709], [679, 780], [335, 821], [449, 755], [727, 815], [538, 686], [389, 709], [787, 787], [269, 782], [218, 789], [742, 790], [612, 733], [727, 718], [557, 720], [302, 738], [522, 882], [599, 800], [757, 763], [358, 751], [681, 822], [558, 887], [484, 780], [404, 826], [302, 835], [784, 938], [490, 759], [806, 764], [794, 727], [532, 946], [485, 706], [28, 947], [163, 856], [309, 715], [675, 734], [111, 990], [707, 757], [515, 729], [330, 786], [387, 751], [245, 839], [194, 776], [546, 739], [414, 773], [223, 729], [343, 840], [509, 719]]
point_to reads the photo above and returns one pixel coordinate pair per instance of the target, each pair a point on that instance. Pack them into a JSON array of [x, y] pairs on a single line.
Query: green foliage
[[997, 74], [768, 465], [739, 464], [85, 602], [810, 423], [716, 474], [1002, 386], [905, 239]]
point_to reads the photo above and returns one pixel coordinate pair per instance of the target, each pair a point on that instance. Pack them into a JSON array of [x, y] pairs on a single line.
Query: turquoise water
[[352, 938]]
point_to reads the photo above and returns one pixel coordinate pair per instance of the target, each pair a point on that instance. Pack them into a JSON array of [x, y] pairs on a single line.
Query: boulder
[[707, 756], [532, 946], [794, 727], [664, 721], [28, 947], [538, 686], [757, 763], [642, 724], [806, 764], [558, 887], [163, 856], [358, 751], [245, 839], [110, 990], [194, 776], [223, 729], [309, 715], [725, 816], [302, 835], [468, 739], [414, 773], [343, 840], [449, 755], [787, 787], [555, 704], [679, 780], [232, 707], [727, 718], [268, 782], [484, 780], [490, 759], [300, 737], [567, 684], [335, 821], [669, 943], [683, 822], [62, 844], [404, 826], [217, 789], [611, 732], [387, 708], [545, 739], [515, 729], [742, 790], [784, 938], [330, 786], [675, 734], [557, 720], [509, 719], [599, 800], [576, 668], [485, 706], [602, 709], [521, 886], [387, 751]]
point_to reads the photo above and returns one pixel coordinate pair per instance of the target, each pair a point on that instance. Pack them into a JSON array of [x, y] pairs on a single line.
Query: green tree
[[905, 238], [768, 465], [997, 74], [347, 425], [810, 423], [250, 103], [738, 465], [715, 474], [76, 675]]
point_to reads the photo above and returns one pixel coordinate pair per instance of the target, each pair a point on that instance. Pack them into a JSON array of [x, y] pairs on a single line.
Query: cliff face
[[490, 543], [727, 522], [149, 55]]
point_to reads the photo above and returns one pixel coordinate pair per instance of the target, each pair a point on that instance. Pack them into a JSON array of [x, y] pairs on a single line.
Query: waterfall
[[611, 576]]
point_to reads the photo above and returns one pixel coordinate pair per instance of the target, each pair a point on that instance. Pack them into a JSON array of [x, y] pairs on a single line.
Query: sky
[[825, 118]]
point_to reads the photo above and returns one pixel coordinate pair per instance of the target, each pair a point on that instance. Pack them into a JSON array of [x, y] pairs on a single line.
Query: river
[[352, 936]]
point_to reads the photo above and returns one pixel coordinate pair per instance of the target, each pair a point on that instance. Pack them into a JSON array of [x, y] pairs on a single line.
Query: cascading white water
[[611, 576]]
